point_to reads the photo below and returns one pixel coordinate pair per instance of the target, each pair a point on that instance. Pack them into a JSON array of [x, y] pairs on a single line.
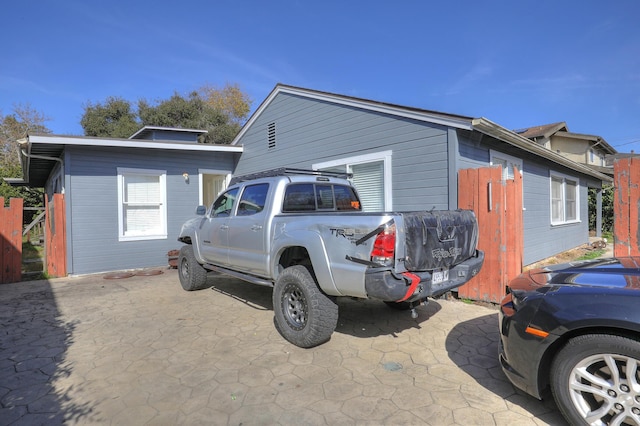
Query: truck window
[[223, 205], [324, 197], [310, 197], [253, 199], [346, 198]]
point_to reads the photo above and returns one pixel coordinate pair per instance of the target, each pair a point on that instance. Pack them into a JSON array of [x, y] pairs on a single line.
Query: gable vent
[[271, 135]]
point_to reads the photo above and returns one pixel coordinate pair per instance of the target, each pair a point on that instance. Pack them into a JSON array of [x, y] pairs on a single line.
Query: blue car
[[574, 329]]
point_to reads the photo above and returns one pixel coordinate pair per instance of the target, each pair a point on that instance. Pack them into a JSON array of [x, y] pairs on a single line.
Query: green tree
[[23, 121], [220, 111], [191, 112], [607, 208], [114, 118]]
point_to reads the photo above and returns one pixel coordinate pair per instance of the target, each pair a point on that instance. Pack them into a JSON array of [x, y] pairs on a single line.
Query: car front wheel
[[595, 380], [192, 275], [304, 315]]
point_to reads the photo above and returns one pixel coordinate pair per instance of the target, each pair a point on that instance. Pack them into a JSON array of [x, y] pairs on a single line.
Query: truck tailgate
[[439, 238]]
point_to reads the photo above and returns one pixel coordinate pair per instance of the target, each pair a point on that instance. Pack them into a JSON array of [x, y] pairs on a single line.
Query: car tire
[[584, 385], [303, 314], [192, 275]]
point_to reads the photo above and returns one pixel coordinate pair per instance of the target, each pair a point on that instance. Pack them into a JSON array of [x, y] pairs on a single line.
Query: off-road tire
[[192, 275], [303, 314], [583, 381]]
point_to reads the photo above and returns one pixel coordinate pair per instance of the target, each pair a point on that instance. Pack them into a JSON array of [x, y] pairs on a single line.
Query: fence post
[[11, 240], [626, 207]]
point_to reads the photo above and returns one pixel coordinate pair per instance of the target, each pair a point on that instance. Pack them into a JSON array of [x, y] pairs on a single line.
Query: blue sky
[[518, 63]]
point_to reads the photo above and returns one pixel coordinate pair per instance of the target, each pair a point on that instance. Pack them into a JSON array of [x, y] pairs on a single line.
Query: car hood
[[605, 272]]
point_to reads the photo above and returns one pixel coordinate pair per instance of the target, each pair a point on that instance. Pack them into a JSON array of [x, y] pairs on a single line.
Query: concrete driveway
[[140, 350]]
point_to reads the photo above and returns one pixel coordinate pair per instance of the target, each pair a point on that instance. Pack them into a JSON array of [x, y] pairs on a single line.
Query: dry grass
[[579, 253]]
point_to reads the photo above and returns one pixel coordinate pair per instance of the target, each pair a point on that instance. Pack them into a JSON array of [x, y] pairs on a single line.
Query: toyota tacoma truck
[[305, 234]]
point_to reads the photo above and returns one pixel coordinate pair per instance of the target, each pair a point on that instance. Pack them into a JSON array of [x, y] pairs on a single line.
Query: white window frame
[[161, 231], [384, 156], [515, 161], [564, 178]]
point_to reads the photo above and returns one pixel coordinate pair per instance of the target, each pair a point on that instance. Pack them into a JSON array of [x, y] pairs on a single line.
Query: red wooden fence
[[55, 236], [498, 208], [626, 208], [11, 240]]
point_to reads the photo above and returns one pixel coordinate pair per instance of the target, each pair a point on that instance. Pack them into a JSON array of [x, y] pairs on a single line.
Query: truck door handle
[[256, 227], [224, 227]]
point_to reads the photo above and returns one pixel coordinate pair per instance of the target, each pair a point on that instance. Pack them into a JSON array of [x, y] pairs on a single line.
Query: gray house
[[405, 158], [125, 199]]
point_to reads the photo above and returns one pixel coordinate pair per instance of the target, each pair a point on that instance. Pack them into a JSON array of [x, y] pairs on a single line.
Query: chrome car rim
[[295, 306], [605, 389]]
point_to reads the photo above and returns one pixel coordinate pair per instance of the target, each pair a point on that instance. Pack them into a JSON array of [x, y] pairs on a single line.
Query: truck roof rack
[[284, 171]]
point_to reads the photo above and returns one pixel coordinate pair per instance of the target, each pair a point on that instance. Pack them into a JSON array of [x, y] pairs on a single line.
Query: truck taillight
[[384, 247]]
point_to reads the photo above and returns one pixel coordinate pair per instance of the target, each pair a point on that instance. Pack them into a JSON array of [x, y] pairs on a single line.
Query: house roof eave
[[171, 129], [492, 129], [129, 143], [450, 120], [43, 151], [599, 140]]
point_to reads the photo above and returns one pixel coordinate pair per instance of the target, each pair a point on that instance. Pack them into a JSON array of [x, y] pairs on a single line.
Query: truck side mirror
[[201, 210]]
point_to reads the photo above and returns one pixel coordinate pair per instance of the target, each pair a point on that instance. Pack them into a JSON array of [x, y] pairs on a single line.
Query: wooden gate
[[55, 236], [626, 207], [11, 240], [498, 207]]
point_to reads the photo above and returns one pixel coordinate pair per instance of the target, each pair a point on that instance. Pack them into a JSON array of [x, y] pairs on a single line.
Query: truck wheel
[[192, 275], [304, 315]]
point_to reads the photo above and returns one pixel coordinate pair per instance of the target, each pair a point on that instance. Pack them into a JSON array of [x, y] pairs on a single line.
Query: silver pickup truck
[[304, 234]]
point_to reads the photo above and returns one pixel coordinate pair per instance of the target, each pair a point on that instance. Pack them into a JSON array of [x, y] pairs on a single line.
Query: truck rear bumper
[[384, 284]]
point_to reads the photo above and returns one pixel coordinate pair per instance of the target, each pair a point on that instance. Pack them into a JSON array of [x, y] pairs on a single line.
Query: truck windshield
[[320, 197]]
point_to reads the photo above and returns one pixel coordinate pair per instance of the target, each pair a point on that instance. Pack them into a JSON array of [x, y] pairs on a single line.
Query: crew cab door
[[215, 232], [248, 231]]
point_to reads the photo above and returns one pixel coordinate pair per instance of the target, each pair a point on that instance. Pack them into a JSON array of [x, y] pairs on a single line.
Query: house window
[[142, 209], [564, 199], [507, 162], [371, 177]]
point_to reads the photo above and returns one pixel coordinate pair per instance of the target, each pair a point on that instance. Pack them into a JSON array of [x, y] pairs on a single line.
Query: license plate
[[440, 276]]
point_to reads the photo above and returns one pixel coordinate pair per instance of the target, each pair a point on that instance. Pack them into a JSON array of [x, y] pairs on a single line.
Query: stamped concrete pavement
[[141, 351]]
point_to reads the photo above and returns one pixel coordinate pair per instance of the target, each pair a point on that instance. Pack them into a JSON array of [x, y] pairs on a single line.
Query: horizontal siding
[[310, 131], [92, 222], [541, 240]]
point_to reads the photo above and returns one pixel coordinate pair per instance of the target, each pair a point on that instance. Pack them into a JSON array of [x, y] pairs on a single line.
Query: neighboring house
[[126, 198], [586, 149], [406, 158]]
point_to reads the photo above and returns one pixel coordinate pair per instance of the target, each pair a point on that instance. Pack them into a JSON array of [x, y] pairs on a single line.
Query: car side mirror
[[201, 210]]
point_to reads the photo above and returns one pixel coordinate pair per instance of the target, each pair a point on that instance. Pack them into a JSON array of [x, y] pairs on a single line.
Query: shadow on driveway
[[33, 343], [473, 345]]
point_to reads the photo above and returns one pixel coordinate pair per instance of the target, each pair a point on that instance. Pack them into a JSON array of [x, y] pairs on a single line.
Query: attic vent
[[271, 135]]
